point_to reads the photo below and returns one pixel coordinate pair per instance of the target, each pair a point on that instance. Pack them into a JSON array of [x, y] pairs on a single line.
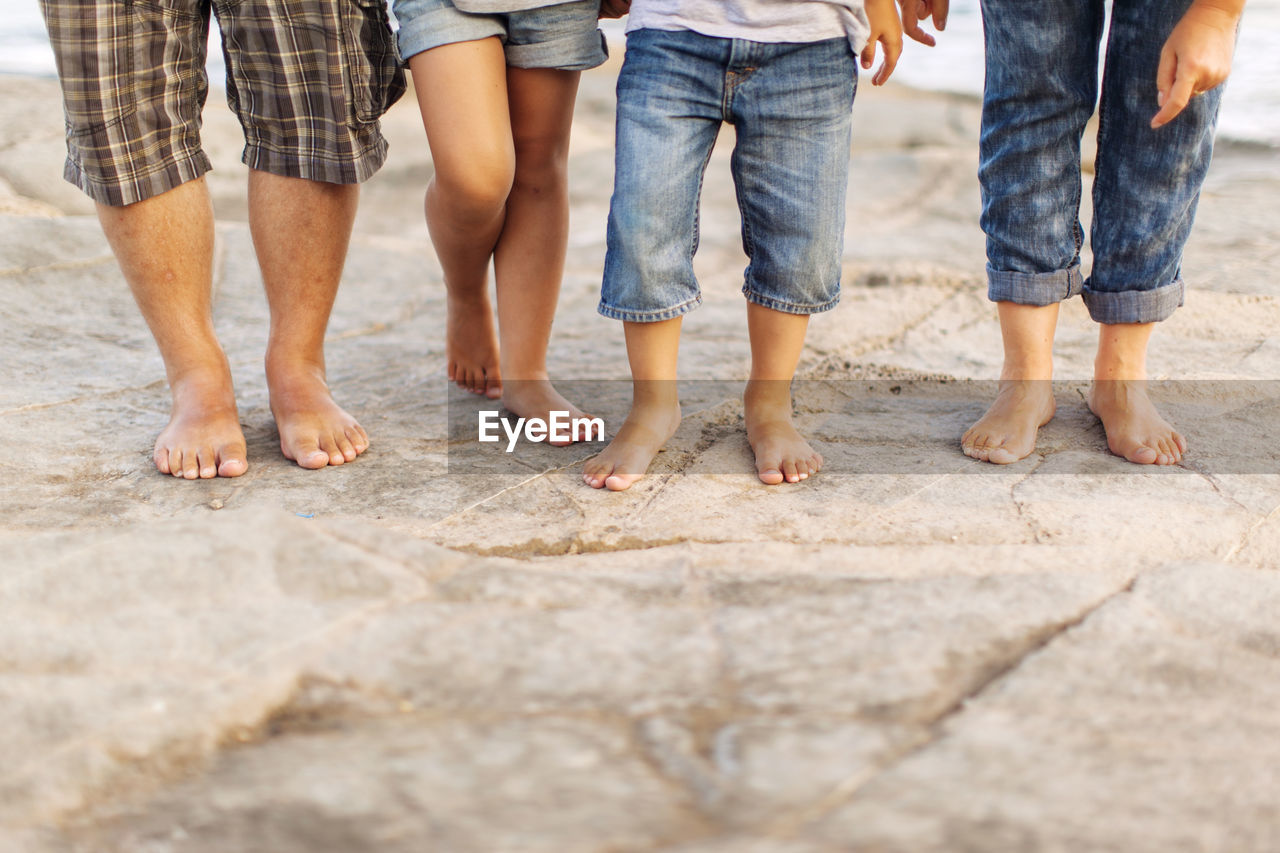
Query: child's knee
[[541, 161], [480, 189]]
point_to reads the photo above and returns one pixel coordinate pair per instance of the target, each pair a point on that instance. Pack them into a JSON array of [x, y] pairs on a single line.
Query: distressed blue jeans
[[790, 105], [1042, 85]]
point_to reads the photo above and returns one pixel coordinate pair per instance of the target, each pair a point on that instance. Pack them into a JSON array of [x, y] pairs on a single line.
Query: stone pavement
[[910, 652]]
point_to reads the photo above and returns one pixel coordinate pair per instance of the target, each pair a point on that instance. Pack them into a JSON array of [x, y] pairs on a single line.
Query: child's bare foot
[[314, 431], [471, 345], [647, 428], [203, 438], [537, 398], [1007, 432], [1135, 430], [782, 454]]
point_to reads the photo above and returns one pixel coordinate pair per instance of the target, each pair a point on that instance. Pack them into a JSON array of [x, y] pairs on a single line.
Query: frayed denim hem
[[649, 316]]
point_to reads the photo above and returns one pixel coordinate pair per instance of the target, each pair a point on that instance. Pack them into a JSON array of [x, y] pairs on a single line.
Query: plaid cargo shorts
[[308, 80]]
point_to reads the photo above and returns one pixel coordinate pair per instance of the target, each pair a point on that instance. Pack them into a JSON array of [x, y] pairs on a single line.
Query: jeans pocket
[[375, 78]]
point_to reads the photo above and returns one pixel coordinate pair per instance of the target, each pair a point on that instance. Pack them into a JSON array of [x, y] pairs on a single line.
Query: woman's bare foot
[[1007, 432], [471, 345], [314, 431], [1135, 430], [203, 438], [647, 428], [782, 454], [538, 398]]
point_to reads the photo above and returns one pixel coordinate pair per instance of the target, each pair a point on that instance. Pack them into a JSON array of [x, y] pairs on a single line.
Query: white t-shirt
[[756, 20]]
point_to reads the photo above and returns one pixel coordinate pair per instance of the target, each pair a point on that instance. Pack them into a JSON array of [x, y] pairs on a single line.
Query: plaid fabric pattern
[[308, 80]]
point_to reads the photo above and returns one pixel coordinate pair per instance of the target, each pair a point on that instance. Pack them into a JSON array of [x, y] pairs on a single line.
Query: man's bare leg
[[165, 249], [530, 253], [1024, 403], [777, 339], [462, 93], [1135, 430], [652, 350], [300, 231]]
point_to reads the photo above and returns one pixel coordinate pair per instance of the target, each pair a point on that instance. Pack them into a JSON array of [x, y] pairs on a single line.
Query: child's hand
[[614, 8], [886, 29], [1197, 55], [915, 11]]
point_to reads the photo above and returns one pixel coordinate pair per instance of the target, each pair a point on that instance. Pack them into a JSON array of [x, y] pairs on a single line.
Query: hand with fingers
[[886, 30], [614, 8], [1197, 55], [915, 11]]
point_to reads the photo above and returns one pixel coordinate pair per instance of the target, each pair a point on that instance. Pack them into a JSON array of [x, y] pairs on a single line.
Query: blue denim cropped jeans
[[790, 105], [1042, 85]]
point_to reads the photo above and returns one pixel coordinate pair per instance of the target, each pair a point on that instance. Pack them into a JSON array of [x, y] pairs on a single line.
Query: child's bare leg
[[776, 341], [1135, 430], [1024, 403], [652, 350], [462, 92], [529, 257]]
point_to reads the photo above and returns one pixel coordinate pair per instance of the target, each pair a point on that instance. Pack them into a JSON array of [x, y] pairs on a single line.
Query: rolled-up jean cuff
[[1135, 306], [1034, 288], [577, 52]]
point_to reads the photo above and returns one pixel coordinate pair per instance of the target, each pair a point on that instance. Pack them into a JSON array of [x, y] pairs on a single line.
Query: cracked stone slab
[[90, 477], [902, 651], [542, 785], [751, 773], [960, 336], [749, 844], [1260, 547], [476, 657], [136, 656], [877, 488], [32, 243], [1151, 726], [751, 572], [1182, 512]]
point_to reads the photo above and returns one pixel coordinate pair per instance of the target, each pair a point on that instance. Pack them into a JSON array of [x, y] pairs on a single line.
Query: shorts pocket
[[95, 64], [374, 77]]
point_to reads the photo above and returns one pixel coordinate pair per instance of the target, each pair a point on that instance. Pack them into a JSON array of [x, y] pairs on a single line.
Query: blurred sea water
[[1250, 111]]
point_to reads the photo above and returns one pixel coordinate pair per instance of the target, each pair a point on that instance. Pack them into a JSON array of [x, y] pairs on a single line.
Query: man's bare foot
[[1007, 432], [782, 454], [314, 431], [647, 428], [1135, 430], [472, 346], [537, 398], [203, 438]]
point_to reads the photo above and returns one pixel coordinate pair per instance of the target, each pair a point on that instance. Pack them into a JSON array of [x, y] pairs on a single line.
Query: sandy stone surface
[[441, 649]]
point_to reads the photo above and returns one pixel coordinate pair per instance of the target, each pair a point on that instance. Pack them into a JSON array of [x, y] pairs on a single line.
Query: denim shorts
[[790, 106], [308, 80], [565, 36]]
